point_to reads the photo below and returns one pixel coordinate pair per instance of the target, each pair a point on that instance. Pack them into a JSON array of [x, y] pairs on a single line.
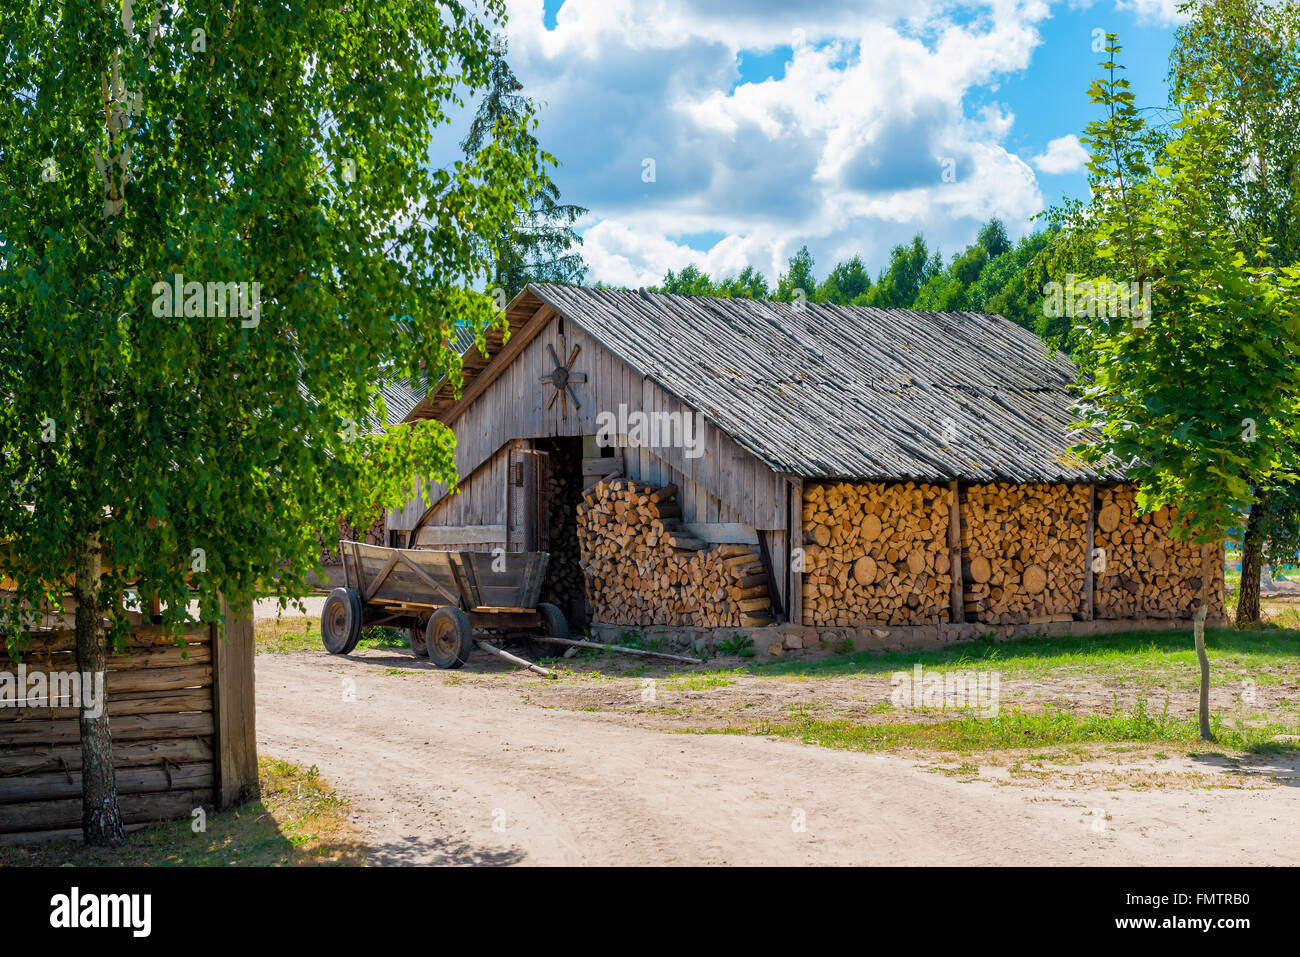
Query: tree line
[[991, 275]]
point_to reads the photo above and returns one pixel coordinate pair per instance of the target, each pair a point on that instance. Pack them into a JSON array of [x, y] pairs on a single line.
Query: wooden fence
[[181, 713]]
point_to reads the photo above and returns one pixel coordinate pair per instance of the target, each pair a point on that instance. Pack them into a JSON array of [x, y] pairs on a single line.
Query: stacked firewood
[[1023, 552], [375, 534], [564, 582], [876, 553], [1146, 571], [644, 566]]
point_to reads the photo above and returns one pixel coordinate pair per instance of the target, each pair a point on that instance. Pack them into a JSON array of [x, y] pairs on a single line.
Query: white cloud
[[625, 255], [1162, 12], [846, 149], [1065, 154]]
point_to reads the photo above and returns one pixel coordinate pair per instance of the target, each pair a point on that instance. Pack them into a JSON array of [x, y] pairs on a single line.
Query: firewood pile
[[644, 566], [1147, 572], [1023, 552], [376, 534], [876, 553]]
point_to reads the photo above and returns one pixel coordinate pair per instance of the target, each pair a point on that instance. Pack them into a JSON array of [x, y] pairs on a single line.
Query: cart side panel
[[517, 583], [405, 575]]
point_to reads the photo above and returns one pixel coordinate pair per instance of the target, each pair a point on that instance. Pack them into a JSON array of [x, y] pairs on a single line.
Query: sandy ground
[[268, 609], [446, 767]]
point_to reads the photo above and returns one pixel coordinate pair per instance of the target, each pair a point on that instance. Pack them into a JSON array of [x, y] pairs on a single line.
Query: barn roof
[[836, 391], [401, 396], [826, 391]]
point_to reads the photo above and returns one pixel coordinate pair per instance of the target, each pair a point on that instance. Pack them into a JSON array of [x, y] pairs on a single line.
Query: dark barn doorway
[[565, 584]]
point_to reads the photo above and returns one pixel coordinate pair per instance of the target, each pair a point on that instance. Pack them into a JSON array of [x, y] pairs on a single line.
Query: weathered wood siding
[[725, 484], [182, 721]]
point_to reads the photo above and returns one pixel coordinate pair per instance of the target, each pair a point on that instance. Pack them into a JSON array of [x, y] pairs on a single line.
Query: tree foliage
[[285, 145], [1244, 56], [991, 275], [1203, 400], [541, 245], [1198, 397]]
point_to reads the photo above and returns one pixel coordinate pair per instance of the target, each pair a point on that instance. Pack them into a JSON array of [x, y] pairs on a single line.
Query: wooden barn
[[699, 463]]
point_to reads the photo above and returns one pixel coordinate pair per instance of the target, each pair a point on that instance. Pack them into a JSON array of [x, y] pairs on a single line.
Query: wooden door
[[527, 500]]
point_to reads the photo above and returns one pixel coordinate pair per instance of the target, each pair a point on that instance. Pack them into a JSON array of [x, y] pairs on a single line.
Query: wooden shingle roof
[[828, 391]]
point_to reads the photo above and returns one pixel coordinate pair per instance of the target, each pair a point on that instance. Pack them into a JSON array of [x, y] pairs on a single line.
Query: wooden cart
[[439, 598]]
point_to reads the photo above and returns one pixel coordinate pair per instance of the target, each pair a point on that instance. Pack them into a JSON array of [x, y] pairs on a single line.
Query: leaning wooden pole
[[514, 659], [575, 643]]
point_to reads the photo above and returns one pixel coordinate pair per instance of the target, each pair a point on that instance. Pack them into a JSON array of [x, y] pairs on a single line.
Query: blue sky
[[771, 124]]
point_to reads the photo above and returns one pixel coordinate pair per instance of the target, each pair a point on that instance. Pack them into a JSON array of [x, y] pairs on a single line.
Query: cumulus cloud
[[866, 136], [1065, 154], [1163, 12]]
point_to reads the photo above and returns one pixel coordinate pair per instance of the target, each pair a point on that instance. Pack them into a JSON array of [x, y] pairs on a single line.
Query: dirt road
[[442, 768]]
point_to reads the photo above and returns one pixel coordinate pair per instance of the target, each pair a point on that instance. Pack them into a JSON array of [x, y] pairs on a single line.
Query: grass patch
[[697, 682], [297, 820], [1015, 728], [281, 636], [1167, 657]]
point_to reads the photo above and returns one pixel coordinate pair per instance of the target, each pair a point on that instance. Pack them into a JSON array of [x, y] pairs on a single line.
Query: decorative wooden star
[[562, 378]]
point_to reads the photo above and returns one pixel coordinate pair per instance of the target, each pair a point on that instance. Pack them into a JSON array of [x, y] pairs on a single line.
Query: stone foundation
[[805, 641]]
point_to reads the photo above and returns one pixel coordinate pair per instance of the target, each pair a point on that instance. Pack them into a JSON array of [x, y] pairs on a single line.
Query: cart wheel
[[419, 647], [449, 638], [340, 621], [553, 624]]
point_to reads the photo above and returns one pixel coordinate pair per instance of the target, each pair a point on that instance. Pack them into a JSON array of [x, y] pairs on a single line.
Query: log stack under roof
[[876, 553], [644, 567], [1023, 552], [1147, 573]]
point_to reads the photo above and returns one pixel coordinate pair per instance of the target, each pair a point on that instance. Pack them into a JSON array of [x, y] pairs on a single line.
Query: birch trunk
[[101, 817]]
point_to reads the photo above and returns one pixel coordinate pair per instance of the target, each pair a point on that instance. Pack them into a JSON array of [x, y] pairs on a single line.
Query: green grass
[[1013, 728], [700, 682], [296, 820], [288, 634], [1267, 655]]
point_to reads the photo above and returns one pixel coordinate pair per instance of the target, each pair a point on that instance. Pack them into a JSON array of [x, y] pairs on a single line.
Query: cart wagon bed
[[423, 578], [439, 597]]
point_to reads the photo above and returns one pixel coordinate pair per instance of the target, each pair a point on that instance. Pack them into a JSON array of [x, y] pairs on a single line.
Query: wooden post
[[794, 541], [1089, 536], [234, 707], [958, 611]]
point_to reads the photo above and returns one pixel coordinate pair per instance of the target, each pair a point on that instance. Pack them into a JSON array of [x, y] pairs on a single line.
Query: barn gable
[[503, 401]]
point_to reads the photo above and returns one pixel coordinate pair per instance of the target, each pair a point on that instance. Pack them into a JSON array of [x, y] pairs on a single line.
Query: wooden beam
[[464, 482], [794, 516], [773, 592], [234, 705], [722, 533], [460, 535], [427, 578], [514, 659], [368, 591], [499, 362]]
